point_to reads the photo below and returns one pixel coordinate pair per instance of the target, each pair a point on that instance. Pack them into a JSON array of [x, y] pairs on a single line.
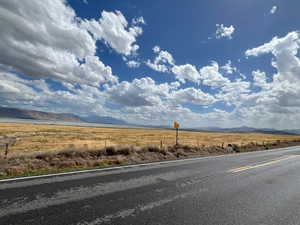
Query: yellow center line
[[240, 169]]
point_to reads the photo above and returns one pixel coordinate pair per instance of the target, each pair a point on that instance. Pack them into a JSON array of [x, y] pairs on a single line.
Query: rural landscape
[[44, 148], [161, 112]]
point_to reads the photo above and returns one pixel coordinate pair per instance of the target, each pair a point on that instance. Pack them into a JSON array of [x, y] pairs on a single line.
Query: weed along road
[[248, 188]]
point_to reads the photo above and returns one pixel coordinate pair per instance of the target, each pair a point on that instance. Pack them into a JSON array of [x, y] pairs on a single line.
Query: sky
[[224, 63]]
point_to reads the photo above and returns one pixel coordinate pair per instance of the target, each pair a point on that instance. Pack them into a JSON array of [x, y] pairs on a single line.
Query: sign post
[[6, 141], [176, 126]]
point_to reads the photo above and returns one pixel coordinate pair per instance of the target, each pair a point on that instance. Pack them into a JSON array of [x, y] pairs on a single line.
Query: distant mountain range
[[40, 115], [103, 119], [245, 129]]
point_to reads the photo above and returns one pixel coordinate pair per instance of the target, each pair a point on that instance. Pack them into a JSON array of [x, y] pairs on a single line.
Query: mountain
[[103, 119], [36, 115], [295, 131], [40, 115], [245, 129]]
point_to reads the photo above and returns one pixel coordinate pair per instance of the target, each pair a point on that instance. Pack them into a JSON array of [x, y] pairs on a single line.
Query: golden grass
[[34, 138]]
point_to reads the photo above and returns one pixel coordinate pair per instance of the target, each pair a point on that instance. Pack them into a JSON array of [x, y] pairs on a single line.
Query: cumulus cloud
[[44, 40], [156, 49], [224, 32], [273, 9], [229, 68], [162, 61], [285, 50], [186, 72], [133, 64], [193, 96], [113, 29], [211, 76], [38, 94], [278, 102], [139, 92], [138, 20], [260, 78], [234, 93]]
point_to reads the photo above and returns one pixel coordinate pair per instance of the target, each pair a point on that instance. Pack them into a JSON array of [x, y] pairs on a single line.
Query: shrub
[[153, 148], [111, 150], [234, 147], [124, 150], [118, 150]]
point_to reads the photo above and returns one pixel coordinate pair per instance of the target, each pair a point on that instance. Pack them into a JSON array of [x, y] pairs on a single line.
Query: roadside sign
[[6, 141], [176, 125]]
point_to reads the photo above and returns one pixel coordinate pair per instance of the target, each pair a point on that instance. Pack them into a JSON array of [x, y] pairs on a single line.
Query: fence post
[[161, 144], [6, 150], [176, 136]]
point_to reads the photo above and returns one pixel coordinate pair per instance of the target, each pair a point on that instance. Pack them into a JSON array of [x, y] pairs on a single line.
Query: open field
[[37, 138], [54, 148]]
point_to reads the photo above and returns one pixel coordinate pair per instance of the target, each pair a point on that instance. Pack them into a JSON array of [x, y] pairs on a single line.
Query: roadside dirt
[[73, 159]]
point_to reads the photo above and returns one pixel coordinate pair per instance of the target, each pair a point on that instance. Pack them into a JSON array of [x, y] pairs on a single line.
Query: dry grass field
[[37, 138]]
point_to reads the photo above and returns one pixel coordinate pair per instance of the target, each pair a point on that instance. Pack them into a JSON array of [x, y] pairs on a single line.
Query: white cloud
[[133, 64], [278, 104], [208, 75], [224, 32], [186, 72], [156, 49], [138, 20], [234, 93], [285, 51], [139, 92], [157, 67], [193, 96], [273, 10], [228, 68], [211, 76], [113, 29], [162, 61], [151, 103], [260, 78], [43, 39], [36, 94]]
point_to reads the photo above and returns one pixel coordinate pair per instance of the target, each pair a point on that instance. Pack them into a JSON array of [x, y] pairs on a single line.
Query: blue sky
[[204, 63]]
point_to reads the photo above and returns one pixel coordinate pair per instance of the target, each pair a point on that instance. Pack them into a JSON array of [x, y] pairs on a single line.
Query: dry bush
[[119, 150]]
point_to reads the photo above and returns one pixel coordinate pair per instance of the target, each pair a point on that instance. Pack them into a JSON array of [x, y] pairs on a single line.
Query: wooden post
[[105, 143], [176, 136], [176, 126], [161, 144], [6, 150]]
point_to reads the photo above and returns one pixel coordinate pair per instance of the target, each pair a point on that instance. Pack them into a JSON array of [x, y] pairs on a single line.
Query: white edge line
[[133, 166]]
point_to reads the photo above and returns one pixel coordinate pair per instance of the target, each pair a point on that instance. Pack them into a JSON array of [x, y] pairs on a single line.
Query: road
[[248, 188]]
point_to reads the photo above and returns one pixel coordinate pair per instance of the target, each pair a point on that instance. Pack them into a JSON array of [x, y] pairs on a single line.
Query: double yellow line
[[241, 169]]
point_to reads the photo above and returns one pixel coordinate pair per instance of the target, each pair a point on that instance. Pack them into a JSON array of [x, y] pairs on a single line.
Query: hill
[[36, 115], [40, 115]]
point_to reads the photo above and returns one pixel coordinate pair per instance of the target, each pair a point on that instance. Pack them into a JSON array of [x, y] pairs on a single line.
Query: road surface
[[248, 188]]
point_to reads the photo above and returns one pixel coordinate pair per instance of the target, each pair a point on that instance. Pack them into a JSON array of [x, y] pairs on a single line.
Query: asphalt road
[[249, 188]]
